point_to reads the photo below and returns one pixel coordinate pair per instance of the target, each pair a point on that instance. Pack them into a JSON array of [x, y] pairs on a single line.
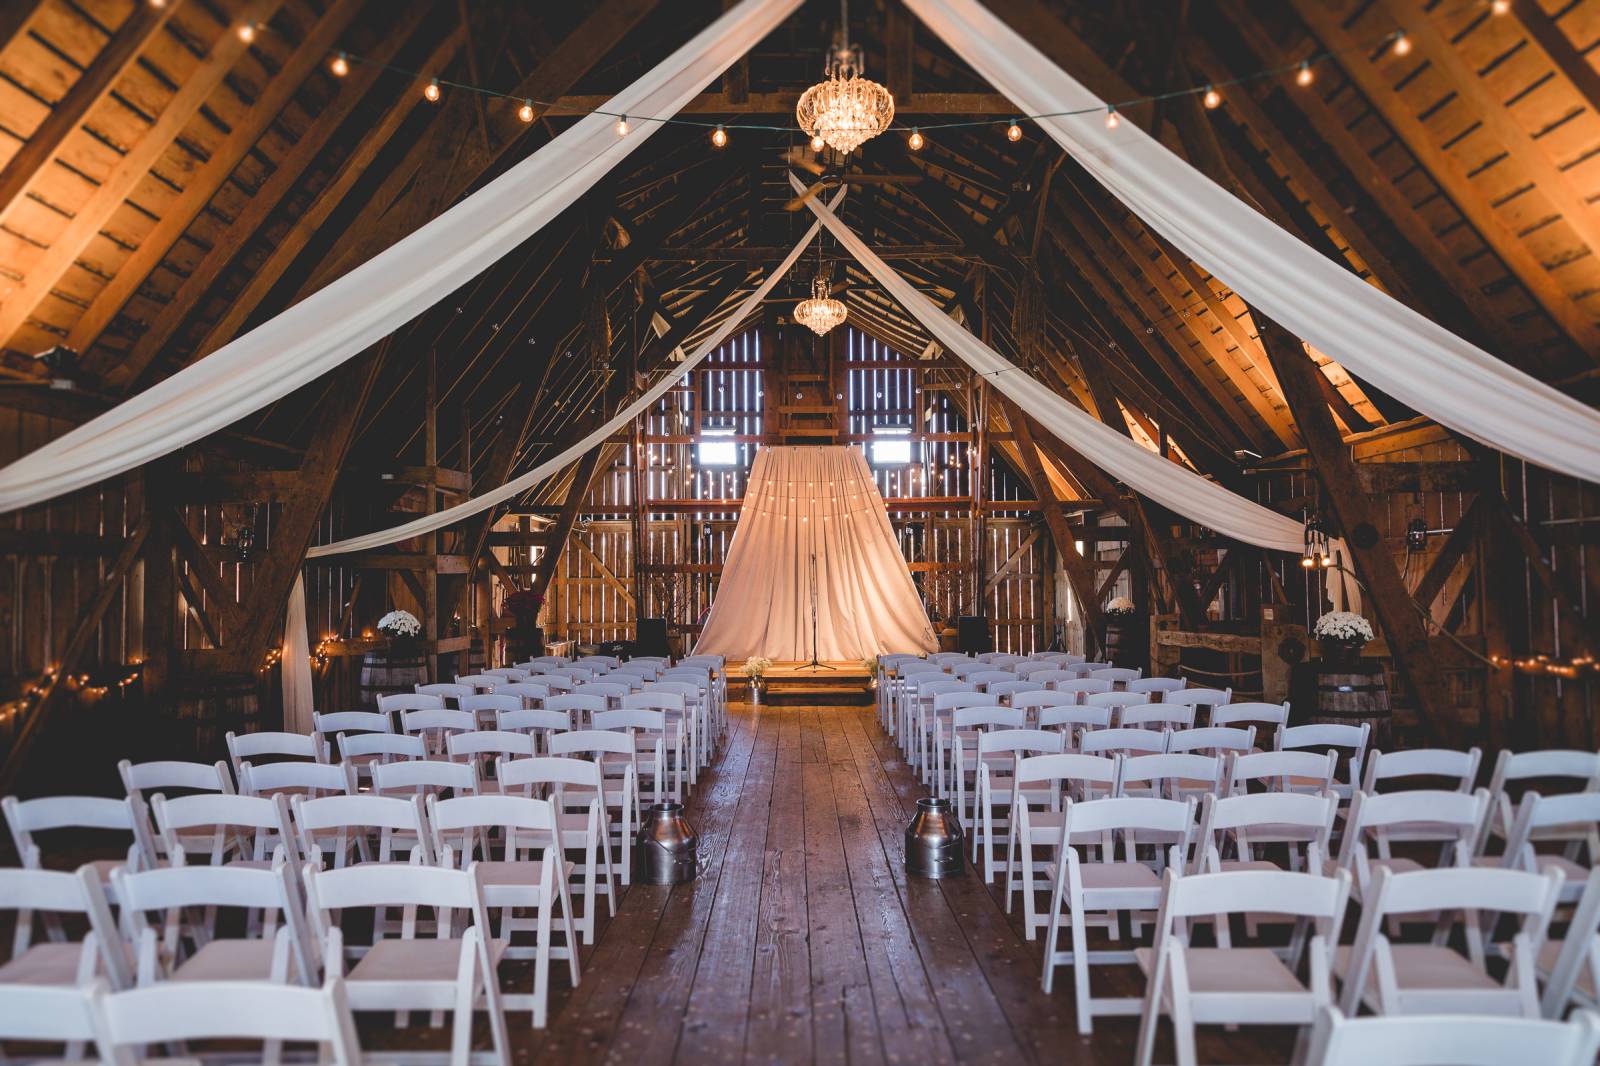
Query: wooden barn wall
[[691, 510]]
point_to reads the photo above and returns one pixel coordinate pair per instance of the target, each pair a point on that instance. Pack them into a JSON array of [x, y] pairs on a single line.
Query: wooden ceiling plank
[[91, 86], [1452, 176], [204, 182], [134, 167], [1559, 49], [128, 375]]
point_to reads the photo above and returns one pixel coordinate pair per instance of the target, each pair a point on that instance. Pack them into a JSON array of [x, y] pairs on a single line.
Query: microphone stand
[[814, 664]]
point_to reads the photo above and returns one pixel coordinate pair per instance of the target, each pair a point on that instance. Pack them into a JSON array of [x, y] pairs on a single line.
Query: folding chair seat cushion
[[503, 881], [44, 964], [406, 961], [1230, 971], [1109, 875], [229, 960], [1425, 967]]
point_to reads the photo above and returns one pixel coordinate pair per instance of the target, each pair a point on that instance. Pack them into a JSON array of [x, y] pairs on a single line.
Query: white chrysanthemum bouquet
[[1121, 607], [399, 624], [1344, 626]]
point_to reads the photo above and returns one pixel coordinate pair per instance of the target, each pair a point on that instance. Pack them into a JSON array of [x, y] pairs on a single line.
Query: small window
[[717, 448], [891, 446]]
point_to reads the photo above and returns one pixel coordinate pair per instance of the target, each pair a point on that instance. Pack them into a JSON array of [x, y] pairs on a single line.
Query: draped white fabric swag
[[806, 503], [1371, 334], [336, 322], [298, 691]]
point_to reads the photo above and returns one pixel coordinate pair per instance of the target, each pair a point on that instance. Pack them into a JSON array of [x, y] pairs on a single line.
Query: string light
[[719, 138], [1402, 44], [1304, 76], [1112, 119], [1212, 99], [158, 4], [1500, 7], [915, 141], [431, 92], [247, 32], [340, 65], [1013, 131], [817, 143], [622, 126], [525, 112]]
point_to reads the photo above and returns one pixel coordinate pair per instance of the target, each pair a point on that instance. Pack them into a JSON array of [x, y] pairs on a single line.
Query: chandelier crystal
[[845, 110], [821, 312]]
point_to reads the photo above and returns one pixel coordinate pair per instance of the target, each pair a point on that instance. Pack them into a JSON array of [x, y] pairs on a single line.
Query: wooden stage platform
[[793, 684]]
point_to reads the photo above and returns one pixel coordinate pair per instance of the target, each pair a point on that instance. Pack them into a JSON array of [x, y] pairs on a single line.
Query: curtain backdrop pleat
[[393, 287], [820, 503], [1368, 332], [298, 699]]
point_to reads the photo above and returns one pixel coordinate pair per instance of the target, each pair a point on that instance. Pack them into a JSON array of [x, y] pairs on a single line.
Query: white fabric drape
[[340, 320], [296, 664], [804, 504], [1371, 334], [553, 465]]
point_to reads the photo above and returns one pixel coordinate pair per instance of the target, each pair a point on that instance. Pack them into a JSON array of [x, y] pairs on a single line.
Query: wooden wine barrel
[[211, 705], [1345, 695], [385, 672], [1127, 642]]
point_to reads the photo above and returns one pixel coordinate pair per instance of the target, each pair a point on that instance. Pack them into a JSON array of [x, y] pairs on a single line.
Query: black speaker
[[651, 637], [972, 634]]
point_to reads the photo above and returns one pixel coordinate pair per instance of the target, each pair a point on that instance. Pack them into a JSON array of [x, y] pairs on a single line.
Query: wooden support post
[[583, 472], [1352, 509]]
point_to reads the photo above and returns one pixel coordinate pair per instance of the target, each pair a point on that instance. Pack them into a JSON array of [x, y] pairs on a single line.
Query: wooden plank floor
[[803, 941]]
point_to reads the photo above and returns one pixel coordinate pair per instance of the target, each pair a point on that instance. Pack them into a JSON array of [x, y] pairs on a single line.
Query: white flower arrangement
[[1120, 607], [757, 665], [1343, 626], [399, 624]]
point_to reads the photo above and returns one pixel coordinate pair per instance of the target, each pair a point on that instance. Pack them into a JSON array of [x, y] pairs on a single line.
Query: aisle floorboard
[[803, 941]]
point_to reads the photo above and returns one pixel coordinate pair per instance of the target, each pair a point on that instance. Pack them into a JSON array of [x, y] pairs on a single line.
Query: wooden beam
[[203, 183], [1353, 511], [78, 645], [129, 373], [87, 90], [65, 247], [583, 472], [1451, 174], [603, 570], [204, 568]]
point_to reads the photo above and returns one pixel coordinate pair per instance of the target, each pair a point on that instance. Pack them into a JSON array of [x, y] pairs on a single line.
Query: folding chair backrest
[[401, 702], [1035, 698], [50, 813], [1156, 684], [1304, 895], [541, 721], [443, 721], [423, 776], [649, 700], [480, 682], [1085, 717], [455, 821], [1213, 738], [266, 818], [384, 746], [1116, 674], [1129, 814], [1273, 714], [1458, 766], [490, 742], [148, 778], [715, 662], [1009, 689], [610, 662], [984, 678], [445, 690], [1021, 741], [1038, 667], [388, 814], [493, 702], [1199, 697], [1071, 768], [1352, 738], [1275, 809], [1052, 676], [27, 893], [377, 721], [1316, 769], [47, 1014], [254, 747], [169, 1012], [1459, 1039], [1084, 686], [571, 704], [509, 673], [1112, 700], [589, 742], [1144, 741], [688, 691], [650, 719], [526, 691], [951, 701], [311, 778], [1161, 767], [528, 774], [1573, 817], [1165, 715], [606, 690], [987, 716]]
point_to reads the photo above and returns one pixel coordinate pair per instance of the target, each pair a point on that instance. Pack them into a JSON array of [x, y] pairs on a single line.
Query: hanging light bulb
[[1013, 131], [340, 65], [158, 4], [247, 32], [1212, 99], [817, 143], [430, 92], [525, 112], [1303, 75], [1402, 44], [1500, 7], [1113, 120], [622, 126], [719, 138], [915, 141]]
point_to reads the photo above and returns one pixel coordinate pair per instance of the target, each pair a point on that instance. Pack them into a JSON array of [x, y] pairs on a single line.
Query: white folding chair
[[1082, 687], [326, 726], [1577, 771], [537, 723], [1378, 820], [1455, 1039], [696, 716], [142, 780], [1007, 690], [398, 703], [960, 716], [305, 778], [1118, 675], [1214, 739], [236, 830], [576, 788], [580, 710], [511, 674], [277, 946], [435, 724], [49, 1014], [57, 961], [362, 751], [50, 814], [1310, 772], [513, 882], [617, 756], [1257, 820], [1172, 776], [996, 756], [339, 826], [1432, 978], [425, 777], [486, 747], [656, 716], [409, 972], [1570, 964], [1572, 820], [1164, 716], [1121, 886], [919, 729], [531, 693], [1209, 698], [446, 691], [485, 706], [1231, 985], [1073, 721], [166, 1014], [1273, 715], [1321, 736], [1040, 786]]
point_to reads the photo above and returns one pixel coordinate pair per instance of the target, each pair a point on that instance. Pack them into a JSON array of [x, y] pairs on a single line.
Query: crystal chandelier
[[845, 110], [821, 312]]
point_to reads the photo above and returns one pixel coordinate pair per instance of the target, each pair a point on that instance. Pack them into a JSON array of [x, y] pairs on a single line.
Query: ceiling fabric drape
[[1367, 331], [344, 318], [813, 519]]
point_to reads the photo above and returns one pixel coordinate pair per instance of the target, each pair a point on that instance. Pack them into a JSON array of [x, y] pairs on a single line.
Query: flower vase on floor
[[755, 668]]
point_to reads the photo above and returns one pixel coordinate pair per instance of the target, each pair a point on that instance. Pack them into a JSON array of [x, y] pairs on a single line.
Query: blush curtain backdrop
[[822, 502]]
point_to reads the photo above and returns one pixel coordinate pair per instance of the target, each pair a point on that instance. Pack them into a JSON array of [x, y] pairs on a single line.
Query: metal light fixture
[[821, 312], [844, 110]]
